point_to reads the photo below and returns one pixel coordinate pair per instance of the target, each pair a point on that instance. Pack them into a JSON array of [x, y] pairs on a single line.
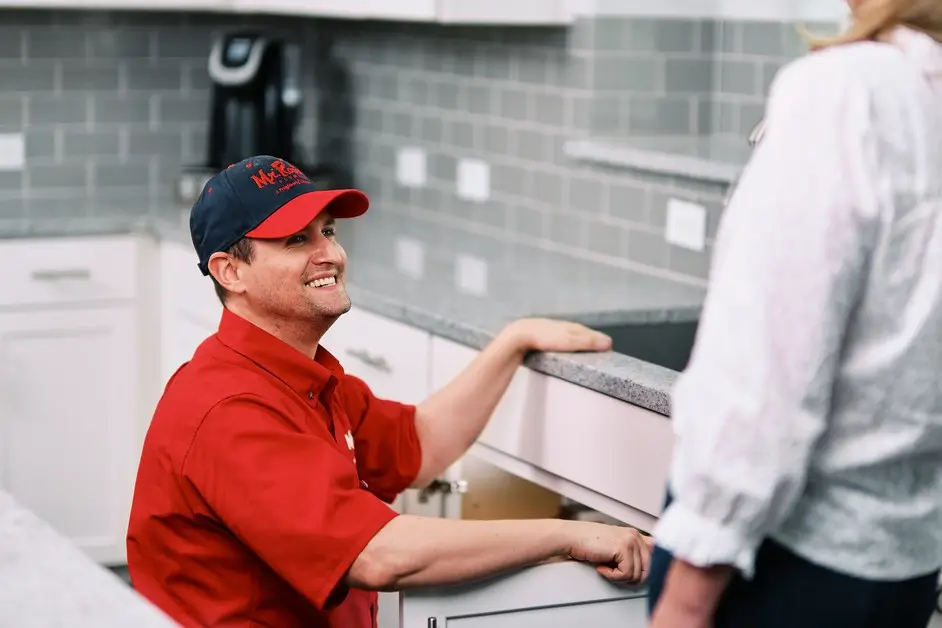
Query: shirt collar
[[307, 377], [920, 47]]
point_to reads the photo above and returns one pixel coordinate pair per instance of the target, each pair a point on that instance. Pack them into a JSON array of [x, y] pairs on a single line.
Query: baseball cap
[[262, 197]]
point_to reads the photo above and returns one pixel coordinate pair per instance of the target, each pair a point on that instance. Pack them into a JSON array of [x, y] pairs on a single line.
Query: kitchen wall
[[114, 104]]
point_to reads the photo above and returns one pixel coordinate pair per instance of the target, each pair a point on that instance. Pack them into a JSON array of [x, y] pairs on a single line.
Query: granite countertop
[[520, 281], [47, 581]]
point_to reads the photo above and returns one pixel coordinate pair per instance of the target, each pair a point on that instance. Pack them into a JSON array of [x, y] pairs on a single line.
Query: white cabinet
[[517, 12], [552, 595], [601, 452], [68, 400], [142, 5], [522, 12], [532, 12], [391, 357], [410, 10], [189, 308], [71, 396]]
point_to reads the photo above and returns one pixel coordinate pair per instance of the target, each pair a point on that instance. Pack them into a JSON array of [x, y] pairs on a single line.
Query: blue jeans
[[789, 591]]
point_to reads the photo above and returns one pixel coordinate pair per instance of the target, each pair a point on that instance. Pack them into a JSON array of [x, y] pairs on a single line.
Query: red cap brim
[[298, 213]]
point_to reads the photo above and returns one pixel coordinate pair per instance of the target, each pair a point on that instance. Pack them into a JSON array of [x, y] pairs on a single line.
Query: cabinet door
[[190, 310], [522, 12], [416, 10], [68, 421], [552, 595], [413, 10], [144, 5]]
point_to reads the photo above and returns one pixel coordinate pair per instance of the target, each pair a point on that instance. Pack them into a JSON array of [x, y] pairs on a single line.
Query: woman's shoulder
[[855, 75], [856, 63]]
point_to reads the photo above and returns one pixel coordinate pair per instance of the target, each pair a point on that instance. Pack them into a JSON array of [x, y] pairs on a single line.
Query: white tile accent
[[12, 151]]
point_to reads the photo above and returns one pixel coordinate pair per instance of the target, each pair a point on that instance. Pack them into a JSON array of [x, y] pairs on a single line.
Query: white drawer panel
[[391, 357], [50, 271], [611, 447]]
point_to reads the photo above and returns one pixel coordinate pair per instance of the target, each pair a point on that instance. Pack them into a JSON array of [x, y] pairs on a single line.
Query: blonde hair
[[873, 20]]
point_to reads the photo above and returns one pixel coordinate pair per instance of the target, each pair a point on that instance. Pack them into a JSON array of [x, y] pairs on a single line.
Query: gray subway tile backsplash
[[113, 104]]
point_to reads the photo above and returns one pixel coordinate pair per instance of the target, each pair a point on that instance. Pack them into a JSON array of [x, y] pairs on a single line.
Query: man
[[264, 483]]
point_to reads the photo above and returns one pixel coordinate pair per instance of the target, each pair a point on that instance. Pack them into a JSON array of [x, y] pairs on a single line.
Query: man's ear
[[226, 270]]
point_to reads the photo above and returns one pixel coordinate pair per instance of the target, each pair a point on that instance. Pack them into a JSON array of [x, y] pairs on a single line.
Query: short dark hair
[[242, 251]]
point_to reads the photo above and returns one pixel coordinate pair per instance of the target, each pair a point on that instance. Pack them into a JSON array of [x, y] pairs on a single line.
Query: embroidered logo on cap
[[282, 174]]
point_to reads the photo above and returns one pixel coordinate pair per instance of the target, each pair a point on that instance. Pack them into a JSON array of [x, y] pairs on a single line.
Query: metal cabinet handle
[[61, 275], [377, 362]]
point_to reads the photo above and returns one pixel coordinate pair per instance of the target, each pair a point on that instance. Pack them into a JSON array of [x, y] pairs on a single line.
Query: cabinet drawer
[[50, 271], [391, 357], [606, 445]]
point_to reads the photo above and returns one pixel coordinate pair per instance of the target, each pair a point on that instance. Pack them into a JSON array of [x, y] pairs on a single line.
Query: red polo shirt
[[263, 476]]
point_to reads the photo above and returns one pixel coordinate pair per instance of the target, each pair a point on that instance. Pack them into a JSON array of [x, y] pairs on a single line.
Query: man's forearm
[[419, 551], [451, 420]]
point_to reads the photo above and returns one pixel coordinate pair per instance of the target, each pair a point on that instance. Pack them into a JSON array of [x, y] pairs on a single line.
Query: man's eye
[[297, 239], [329, 232]]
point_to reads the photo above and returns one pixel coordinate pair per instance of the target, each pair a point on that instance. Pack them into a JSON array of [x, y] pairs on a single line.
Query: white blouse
[[811, 410]]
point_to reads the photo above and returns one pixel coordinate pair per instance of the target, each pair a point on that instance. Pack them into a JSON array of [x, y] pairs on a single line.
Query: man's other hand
[[619, 553], [541, 334]]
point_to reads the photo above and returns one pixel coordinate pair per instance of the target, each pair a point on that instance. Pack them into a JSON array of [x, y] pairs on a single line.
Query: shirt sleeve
[[790, 262], [387, 446], [292, 498]]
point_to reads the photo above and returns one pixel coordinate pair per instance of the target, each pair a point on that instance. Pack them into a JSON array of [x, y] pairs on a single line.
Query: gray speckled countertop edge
[[653, 161], [46, 581], [613, 374]]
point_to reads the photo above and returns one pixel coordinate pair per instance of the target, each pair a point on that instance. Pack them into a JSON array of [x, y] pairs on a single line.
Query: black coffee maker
[[256, 98], [256, 110]]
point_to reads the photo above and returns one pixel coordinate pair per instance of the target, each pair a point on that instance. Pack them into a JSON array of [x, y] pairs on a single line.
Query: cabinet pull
[[61, 275], [377, 362]]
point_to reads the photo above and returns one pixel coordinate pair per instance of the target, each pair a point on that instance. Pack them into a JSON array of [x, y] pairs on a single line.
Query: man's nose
[[326, 251]]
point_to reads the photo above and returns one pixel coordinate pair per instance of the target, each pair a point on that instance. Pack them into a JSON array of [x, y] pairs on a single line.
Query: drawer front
[[609, 446], [392, 358], [47, 271]]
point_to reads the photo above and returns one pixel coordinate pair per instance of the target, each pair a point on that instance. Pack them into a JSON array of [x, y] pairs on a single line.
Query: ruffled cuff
[[703, 542]]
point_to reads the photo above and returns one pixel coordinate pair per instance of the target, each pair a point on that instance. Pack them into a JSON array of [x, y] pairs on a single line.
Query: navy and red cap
[[262, 197]]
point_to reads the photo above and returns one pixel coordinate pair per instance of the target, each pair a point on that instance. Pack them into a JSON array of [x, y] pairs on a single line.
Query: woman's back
[[873, 503], [824, 318]]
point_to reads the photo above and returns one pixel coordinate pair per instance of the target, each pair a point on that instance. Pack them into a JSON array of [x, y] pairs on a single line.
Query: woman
[[807, 481]]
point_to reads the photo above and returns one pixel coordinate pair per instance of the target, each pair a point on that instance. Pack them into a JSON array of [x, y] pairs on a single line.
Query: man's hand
[[542, 334], [619, 553]]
